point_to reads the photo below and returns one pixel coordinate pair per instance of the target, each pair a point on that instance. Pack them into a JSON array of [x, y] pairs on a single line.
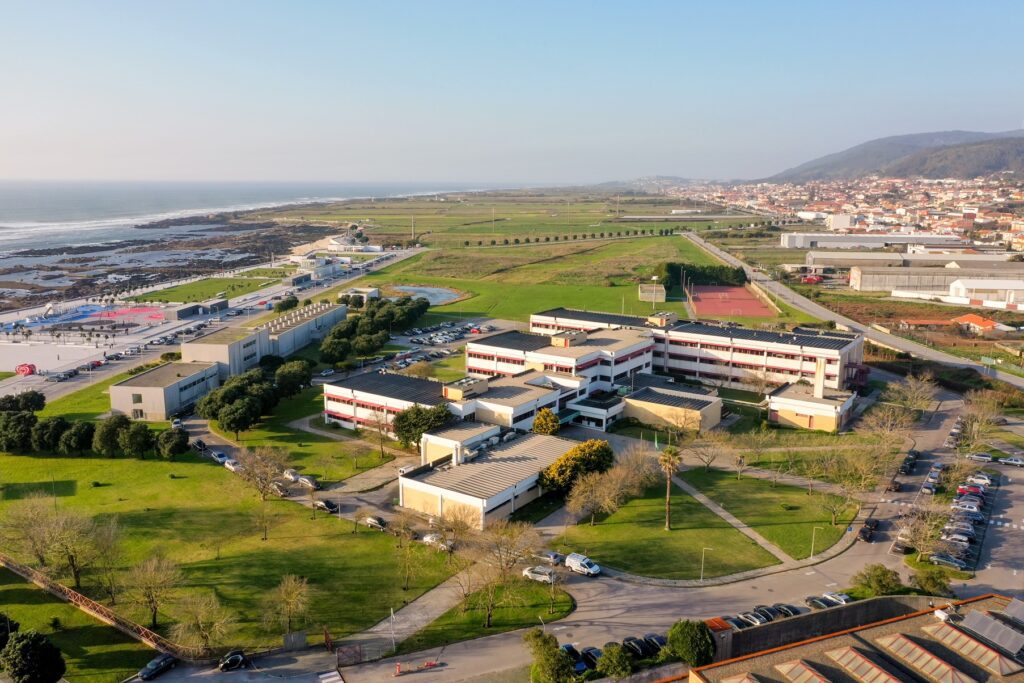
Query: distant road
[[804, 304]]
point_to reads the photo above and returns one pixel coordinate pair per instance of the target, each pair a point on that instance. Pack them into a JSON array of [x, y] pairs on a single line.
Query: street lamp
[[703, 552], [814, 532]]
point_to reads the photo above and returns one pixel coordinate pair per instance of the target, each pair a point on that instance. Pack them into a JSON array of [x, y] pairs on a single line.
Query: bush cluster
[[370, 330]]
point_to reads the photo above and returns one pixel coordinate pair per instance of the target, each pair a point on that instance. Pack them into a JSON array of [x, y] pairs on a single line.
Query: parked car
[[438, 541], [969, 489], [656, 641], [974, 518], [954, 537], [581, 564], [769, 613], [550, 557], [328, 506], [815, 602], [865, 534], [176, 423], [291, 475], [540, 573], [1016, 461], [980, 479], [753, 618], [219, 457], [327, 373], [961, 506], [980, 457], [638, 647], [578, 666], [374, 522], [232, 465], [590, 656], [309, 482], [786, 609], [278, 490], [233, 661], [948, 561], [928, 488], [157, 666], [895, 486], [198, 445]]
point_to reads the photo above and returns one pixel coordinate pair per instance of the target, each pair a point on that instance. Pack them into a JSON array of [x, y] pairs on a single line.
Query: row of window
[[361, 404], [194, 383], [748, 352]]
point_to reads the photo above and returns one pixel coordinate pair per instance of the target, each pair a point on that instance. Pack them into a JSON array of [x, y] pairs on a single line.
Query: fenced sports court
[[722, 301]]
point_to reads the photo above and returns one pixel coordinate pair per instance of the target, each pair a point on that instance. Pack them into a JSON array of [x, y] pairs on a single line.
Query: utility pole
[[414, 228]]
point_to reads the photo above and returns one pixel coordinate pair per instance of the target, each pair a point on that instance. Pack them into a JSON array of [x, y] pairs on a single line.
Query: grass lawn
[[451, 368], [5, 374], [205, 519], [330, 460], [86, 403], [529, 604], [277, 272], [784, 515], [634, 539], [93, 651], [201, 290]]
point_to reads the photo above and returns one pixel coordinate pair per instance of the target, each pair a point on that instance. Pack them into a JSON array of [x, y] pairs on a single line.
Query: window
[[136, 398], [137, 414]]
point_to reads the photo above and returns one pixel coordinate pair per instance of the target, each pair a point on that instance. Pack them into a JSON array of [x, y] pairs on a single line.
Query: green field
[[201, 290], [784, 515], [529, 606], [93, 651], [481, 217], [634, 539], [5, 374], [276, 273], [330, 460], [87, 403], [206, 519]]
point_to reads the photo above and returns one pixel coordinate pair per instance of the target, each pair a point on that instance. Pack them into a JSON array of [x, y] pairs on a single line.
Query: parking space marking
[[809, 573]]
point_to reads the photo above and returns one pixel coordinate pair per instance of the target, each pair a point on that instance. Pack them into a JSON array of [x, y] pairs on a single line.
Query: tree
[[28, 401], [16, 431], [171, 442], [615, 662], [669, 460], [27, 526], [288, 603], [7, 627], [878, 580], [981, 408], [832, 504], [550, 663], [335, 350], [692, 642], [410, 424], [46, 434], [422, 369], [587, 495], [106, 438], [922, 526], [152, 583], [546, 422], [136, 440], [109, 557], [77, 439], [30, 657], [202, 622], [286, 304], [915, 392], [381, 428], [239, 416], [292, 376], [593, 455], [260, 469], [71, 541], [933, 581], [890, 422]]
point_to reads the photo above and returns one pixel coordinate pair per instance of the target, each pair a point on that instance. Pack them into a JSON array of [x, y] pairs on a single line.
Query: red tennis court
[[717, 301]]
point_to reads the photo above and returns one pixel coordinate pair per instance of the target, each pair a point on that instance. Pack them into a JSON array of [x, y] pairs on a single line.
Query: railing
[[126, 626]]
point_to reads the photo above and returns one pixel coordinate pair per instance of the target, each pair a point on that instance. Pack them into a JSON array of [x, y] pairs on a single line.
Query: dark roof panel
[[518, 341], [745, 333], [596, 317], [667, 397], [413, 389]]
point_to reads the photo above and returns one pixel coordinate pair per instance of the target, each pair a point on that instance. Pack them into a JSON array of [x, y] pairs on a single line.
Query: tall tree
[[152, 584], [288, 603], [586, 497], [546, 422], [239, 415], [77, 439], [72, 543], [171, 442], [201, 622], [30, 657], [292, 376], [692, 642], [669, 460], [27, 526], [550, 663], [47, 432], [16, 431], [593, 455], [106, 438], [136, 440]]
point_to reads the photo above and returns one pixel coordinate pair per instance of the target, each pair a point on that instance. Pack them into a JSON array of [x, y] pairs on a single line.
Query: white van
[[581, 564]]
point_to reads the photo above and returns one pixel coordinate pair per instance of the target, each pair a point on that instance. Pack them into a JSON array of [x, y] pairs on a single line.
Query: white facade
[[1010, 291]]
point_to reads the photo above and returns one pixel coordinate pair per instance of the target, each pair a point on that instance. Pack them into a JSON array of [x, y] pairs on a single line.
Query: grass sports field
[[201, 290], [634, 539], [481, 217]]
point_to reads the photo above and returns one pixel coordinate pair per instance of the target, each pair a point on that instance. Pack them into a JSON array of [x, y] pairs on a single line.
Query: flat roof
[[518, 341], [596, 317], [391, 385], [165, 375], [297, 317], [225, 335], [514, 390], [463, 431], [668, 397], [805, 392], [907, 648], [601, 339], [647, 379], [819, 341], [501, 467]]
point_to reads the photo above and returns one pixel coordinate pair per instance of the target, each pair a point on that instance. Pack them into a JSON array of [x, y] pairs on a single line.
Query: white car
[[540, 573], [837, 598], [980, 457], [232, 465], [438, 542], [176, 423], [581, 564], [980, 479], [1015, 461], [326, 373], [291, 475], [308, 482], [218, 457]]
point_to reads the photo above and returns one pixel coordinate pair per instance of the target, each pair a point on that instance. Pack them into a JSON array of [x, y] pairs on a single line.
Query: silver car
[[540, 573]]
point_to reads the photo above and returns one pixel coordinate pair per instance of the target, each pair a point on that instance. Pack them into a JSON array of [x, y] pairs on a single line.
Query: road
[[804, 304]]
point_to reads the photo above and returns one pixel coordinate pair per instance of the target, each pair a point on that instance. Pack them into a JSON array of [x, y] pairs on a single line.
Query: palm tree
[[669, 460]]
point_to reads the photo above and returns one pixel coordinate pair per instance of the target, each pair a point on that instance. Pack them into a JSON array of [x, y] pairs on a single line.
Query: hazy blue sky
[[487, 91]]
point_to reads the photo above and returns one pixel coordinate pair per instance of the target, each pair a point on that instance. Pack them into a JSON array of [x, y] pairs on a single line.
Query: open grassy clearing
[[784, 515], [276, 272], [201, 290], [5, 374], [86, 403], [205, 518], [486, 216], [330, 460], [634, 539], [93, 651], [528, 605]]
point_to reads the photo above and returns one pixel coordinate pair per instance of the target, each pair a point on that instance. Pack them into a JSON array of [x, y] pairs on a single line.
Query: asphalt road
[[804, 304]]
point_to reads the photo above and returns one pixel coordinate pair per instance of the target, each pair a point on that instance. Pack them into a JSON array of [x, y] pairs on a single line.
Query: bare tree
[[921, 529], [454, 525], [587, 496], [109, 557], [981, 408], [758, 442], [832, 504], [410, 563], [152, 583], [362, 513], [402, 524], [504, 543], [72, 543], [27, 526], [465, 576], [959, 470], [915, 392], [890, 422], [639, 468], [381, 428], [705, 452], [260, 468], [288, 603], [202, 622], [669, 461]]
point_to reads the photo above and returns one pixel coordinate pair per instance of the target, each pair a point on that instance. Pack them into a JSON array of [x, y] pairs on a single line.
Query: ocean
[[39, 214]]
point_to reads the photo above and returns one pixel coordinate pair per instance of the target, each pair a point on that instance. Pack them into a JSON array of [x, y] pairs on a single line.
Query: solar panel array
[[973, 649], [860, 667], [745, 333], [1015, 610], [996, 632]]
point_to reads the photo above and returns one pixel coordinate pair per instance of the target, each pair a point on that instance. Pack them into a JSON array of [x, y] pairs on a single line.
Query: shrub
[[692, 642], [878, 580]]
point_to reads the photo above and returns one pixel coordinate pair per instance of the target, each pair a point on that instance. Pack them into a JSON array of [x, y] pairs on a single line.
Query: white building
[[1009, 291]]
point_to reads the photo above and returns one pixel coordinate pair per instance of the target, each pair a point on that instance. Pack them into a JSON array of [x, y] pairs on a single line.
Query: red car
[[971, 490]]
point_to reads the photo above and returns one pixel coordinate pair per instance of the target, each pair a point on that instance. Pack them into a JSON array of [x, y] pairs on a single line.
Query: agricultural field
[[452, 220], [205, 518], [208, 288], [634, 539]]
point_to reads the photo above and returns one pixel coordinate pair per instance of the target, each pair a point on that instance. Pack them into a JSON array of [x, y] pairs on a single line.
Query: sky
[[489, 92]]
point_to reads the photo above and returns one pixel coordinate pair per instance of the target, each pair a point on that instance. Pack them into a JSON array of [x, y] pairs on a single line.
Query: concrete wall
[[793, 418], [671, 416], [160, 403]]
